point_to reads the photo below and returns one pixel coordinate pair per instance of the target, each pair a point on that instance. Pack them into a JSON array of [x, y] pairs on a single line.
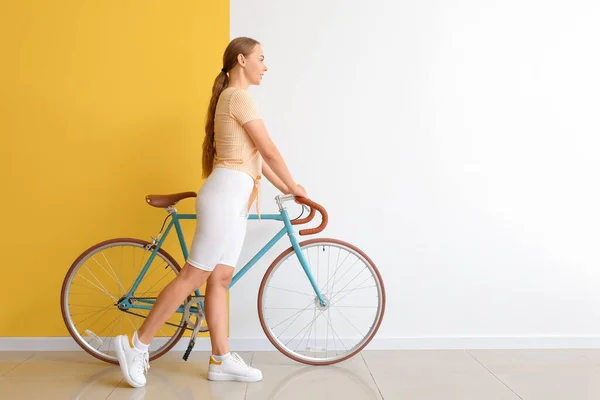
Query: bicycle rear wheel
[[99, 279], [290, 312]]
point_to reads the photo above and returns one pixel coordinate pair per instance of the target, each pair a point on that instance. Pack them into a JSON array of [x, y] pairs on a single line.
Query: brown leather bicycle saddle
[[167, 200]]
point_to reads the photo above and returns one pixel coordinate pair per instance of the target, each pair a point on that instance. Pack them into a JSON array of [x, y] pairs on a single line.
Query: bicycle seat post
[[171, 209]]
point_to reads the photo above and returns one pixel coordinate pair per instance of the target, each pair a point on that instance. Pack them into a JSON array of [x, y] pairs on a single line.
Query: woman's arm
[[270, 154], [272, 177]]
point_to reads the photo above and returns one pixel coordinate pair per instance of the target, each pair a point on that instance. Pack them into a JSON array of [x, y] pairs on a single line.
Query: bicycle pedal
[[94, 337], [189, 350]]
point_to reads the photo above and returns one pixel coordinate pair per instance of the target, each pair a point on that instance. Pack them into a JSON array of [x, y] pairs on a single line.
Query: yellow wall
[[101, 103]]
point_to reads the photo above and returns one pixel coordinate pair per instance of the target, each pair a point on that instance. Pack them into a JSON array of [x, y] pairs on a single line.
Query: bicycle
[[310, 290]]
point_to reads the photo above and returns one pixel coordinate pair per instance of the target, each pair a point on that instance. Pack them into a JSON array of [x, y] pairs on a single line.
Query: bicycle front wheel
[[298, 325], [98, 281]]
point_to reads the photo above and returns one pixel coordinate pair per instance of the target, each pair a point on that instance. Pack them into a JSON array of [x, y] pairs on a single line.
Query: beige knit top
[[235, 149]]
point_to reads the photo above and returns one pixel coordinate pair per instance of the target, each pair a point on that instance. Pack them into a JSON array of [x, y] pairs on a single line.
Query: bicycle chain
[[185, 325]]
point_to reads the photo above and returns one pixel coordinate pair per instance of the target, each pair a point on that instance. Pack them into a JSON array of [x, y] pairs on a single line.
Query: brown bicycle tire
[[266, 277]]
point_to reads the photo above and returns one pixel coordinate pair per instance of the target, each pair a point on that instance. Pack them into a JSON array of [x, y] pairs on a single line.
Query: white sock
[[221, 358], [137, 343]]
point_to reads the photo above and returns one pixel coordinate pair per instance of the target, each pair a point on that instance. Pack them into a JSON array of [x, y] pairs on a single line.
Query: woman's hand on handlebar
[[299, 191], [313, 207]]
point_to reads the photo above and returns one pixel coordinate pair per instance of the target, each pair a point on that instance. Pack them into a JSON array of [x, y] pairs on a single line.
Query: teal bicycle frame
[[176, 222]]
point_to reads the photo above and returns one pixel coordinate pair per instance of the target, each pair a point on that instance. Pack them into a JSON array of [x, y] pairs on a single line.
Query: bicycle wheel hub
[[124, 303], [320, 306]]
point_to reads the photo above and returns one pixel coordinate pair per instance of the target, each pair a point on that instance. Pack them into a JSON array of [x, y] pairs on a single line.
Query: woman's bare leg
[[170, 298], [229, 368], [215, 308]]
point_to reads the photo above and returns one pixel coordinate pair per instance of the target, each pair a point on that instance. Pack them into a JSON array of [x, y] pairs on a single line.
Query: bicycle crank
[[197, 312]]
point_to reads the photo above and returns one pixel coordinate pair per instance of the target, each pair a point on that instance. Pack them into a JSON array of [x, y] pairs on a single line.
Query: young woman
[[237, 150]]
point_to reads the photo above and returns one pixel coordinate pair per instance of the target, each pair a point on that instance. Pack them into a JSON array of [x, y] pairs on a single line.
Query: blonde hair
[[240, 45]]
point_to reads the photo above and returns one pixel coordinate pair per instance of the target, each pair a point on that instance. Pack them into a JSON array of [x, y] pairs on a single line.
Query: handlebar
[[313, 206]]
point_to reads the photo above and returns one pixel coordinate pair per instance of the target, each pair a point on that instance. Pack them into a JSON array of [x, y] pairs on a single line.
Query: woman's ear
[[241, 59]]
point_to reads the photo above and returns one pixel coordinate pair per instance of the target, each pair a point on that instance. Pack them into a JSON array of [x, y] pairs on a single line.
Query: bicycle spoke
[[292, 291], [339, 300], [86, 294], [334, 306], [302, 339], [360, 272], [350, 322], [298, 313], [120, 317], [338, 336], [328, 326], [303, 329], [103, 329], [151, 287], [355, 289], [84, 305], [132, 325], [110, 333], [328, 265], [89, 312], [104, 291], [310, 329], [334, 295], [104, 313], [100, 283], [109, 324], [337, 269], [346, 273], [116, 279]]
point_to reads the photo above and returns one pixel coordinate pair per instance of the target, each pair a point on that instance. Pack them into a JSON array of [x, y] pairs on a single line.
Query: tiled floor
[[390, 375]]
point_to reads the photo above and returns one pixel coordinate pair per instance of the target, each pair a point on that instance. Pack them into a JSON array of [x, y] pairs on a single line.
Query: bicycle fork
[[301, 258]]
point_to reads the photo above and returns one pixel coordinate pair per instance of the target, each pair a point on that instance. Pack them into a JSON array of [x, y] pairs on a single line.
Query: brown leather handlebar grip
[[313, 206], [307, 219]]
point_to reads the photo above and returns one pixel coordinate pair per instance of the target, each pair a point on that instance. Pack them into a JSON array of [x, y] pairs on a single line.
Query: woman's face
[[254, 65]]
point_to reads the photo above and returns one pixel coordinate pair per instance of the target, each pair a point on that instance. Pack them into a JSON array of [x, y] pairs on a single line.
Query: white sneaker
[[134, 363], [232, 369]]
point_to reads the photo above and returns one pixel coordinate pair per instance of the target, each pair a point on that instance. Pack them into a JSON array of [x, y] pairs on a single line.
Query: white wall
[[457, 144]]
